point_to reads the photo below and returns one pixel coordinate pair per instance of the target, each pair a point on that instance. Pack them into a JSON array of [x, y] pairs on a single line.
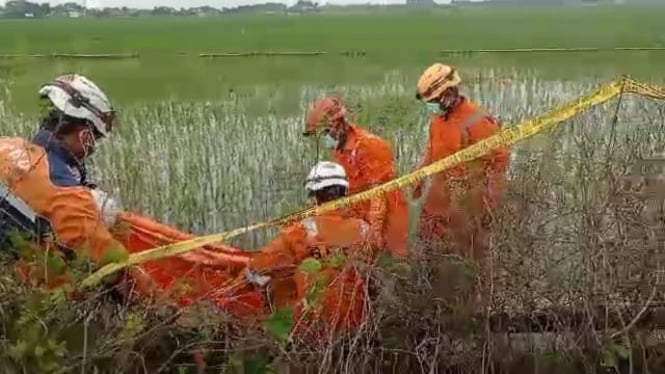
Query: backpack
[[16, 216]]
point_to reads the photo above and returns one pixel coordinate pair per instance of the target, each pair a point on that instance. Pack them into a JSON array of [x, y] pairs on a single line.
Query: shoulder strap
[[15, 213], [6, 195]]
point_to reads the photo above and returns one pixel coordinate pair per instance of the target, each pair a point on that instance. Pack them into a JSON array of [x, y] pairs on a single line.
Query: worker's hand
[[109, 207], [255, 278]]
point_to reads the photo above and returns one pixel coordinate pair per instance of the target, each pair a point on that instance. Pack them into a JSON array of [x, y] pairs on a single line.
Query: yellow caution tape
[[508, 136]]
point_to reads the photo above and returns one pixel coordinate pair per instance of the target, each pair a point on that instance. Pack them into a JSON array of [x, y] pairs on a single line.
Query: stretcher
[[212, 273], [209, 273]]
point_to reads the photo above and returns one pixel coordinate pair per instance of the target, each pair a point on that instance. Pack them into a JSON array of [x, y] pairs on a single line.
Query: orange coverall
[[460, 198], [340, 306], [48, 178], [368, 161]]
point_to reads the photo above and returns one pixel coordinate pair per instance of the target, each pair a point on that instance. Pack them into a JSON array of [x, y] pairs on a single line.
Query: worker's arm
[[78, 224], [491, 168], [279, 253]]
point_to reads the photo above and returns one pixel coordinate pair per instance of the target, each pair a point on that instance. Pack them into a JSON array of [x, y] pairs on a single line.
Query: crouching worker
[[326, 254], [44, 184], [368, 161]]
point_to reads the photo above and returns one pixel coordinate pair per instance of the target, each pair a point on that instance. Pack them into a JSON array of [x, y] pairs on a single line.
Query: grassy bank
[[392, 39]]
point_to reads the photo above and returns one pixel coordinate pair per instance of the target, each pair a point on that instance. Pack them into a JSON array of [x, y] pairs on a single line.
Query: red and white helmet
[[77, 96], [326, 111]]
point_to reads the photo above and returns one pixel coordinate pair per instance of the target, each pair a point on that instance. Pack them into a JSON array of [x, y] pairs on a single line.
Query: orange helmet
[[436, 79], [326, 111]]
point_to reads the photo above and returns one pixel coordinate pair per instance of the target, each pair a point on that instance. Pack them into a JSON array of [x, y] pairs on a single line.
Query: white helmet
[[78, 97], [326, 174]]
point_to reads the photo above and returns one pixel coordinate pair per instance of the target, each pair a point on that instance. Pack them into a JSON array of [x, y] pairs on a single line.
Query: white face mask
[[433, 108], [330, 142]]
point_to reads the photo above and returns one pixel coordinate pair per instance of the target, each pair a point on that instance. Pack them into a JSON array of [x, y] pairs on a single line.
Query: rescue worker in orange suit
[[460, 200], [341, 244], [46, 178], [368, 161]]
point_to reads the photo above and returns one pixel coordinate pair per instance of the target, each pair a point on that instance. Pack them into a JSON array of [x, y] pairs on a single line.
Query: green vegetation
[[209, 145], [404, 40]]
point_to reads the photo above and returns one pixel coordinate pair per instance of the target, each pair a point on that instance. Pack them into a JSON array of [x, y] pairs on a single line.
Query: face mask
[[433, 108], [330, 142]]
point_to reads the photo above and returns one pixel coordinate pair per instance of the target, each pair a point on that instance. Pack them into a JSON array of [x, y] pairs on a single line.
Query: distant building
[[303, 6], [420, 2]]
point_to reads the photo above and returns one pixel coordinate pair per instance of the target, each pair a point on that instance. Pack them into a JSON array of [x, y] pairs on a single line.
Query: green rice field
[[213, 144], [393, 39], [205, 122]]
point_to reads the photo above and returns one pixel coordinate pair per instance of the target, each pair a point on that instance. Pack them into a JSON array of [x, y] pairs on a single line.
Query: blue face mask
[[433, 108], [330, 142]]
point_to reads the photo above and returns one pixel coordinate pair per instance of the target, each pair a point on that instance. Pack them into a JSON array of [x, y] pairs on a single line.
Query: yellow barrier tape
[[508, 136], [644, 89]]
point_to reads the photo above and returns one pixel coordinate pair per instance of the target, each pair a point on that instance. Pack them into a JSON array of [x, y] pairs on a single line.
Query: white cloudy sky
[[215, 3]]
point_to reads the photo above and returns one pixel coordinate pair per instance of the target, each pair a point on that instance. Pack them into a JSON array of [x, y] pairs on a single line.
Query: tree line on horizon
[[27, 9]]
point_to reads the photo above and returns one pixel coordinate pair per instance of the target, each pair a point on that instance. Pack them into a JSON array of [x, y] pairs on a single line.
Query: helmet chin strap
[[87, 139]]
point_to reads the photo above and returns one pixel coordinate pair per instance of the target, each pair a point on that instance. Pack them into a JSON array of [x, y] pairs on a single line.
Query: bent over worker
[[48, 175], [368, 161], [460, 199], [336, 242]]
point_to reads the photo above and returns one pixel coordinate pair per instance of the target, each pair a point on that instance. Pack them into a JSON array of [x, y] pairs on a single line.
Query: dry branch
[[601, 316]]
